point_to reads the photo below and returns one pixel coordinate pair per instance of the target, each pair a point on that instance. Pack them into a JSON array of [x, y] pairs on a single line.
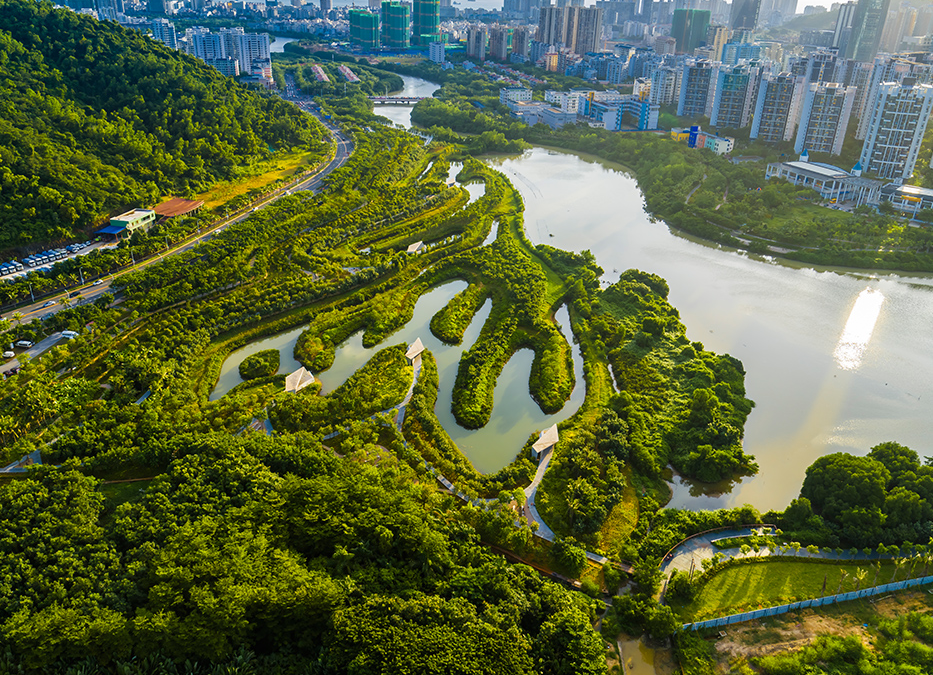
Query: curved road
[[89, 292]]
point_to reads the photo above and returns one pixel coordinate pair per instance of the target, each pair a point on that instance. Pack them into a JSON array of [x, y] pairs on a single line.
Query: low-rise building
[[514, 94], [831, 182], [908, 198]]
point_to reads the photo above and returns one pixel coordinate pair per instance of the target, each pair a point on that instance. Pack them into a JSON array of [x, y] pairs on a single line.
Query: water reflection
[[781, 319], [858, 330]]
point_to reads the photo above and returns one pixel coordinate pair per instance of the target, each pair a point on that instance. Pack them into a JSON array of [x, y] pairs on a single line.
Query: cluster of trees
[[378, 385], [260, 364], [96, 118], [884, 497], [277, 547], [679, 403]]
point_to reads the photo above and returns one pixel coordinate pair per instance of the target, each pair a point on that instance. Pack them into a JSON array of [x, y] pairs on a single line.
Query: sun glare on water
[[858, 330]]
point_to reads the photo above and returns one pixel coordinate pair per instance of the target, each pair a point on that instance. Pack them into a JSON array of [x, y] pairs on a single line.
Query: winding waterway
[[836, 360]]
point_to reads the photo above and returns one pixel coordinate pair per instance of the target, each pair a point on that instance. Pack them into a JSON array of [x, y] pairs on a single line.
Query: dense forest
[[95, 118], [168, 530]]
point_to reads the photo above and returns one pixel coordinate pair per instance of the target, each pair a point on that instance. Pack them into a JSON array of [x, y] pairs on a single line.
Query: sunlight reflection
[[858, 330]]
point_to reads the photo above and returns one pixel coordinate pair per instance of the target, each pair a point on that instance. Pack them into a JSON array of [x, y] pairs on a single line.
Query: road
[[314, 183]]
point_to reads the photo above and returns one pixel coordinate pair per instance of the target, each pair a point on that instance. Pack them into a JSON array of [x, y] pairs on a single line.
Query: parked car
[[8, 354], [24, 344]]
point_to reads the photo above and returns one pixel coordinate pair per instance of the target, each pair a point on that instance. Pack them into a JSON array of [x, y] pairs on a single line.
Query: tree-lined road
[[343, 150]]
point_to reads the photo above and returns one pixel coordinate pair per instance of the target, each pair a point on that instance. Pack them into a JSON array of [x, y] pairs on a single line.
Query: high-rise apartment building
[[843, 27], [689, 28], [587, 28], [867, 26], [732, 99], [426, 22], [897, 27], [499, 42], [477, 36], [744, 14], [396, 25], [205, 45], [364, 29], [325, 7], [550, 25], [734, 52], [824, 117], [255, 47], [889, 69], [899, 116], [665, 86], [822, 66], [163, 30], [697, 86], [521, 40], [777, 107], [436, 52], [576, 28], [716, 39]]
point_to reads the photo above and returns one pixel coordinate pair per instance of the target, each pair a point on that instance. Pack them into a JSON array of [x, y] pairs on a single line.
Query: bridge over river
[[396, 100]]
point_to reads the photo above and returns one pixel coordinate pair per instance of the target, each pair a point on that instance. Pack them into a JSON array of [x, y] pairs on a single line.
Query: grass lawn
[[121, 493], [622, 519], [280, 166], [769, 583]]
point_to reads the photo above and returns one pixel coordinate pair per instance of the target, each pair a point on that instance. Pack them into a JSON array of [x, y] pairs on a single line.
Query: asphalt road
[[89, 292]]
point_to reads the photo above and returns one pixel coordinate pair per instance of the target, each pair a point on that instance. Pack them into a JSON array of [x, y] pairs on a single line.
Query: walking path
[[691, 552]]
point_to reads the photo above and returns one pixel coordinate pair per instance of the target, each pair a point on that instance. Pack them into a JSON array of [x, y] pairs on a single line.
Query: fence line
[[804, 604]]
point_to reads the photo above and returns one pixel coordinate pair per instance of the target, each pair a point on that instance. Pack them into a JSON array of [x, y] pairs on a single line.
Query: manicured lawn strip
[[767, 583], [621, 521]]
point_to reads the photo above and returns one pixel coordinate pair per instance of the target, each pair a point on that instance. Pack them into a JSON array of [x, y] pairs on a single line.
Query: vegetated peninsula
[[95, 118], [168, 524]]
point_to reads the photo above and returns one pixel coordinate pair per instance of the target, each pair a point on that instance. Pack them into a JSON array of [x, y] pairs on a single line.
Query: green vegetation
[[260, 364], [903, 645], [752, 583], [97, 118], [698, 191]]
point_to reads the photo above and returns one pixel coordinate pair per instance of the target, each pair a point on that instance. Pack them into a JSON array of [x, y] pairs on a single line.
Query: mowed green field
[[769, 583]]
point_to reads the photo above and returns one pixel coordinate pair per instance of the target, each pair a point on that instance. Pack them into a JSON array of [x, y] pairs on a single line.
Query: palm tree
[[898, 563], [860, 574]]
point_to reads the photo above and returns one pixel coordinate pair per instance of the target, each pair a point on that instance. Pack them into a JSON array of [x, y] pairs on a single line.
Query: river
[[278, 46], [836, 360]]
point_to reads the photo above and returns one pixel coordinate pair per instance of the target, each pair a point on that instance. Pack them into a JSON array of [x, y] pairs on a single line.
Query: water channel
[[837, 360]]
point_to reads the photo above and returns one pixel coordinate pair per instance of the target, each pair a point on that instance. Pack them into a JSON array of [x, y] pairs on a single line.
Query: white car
[[8, 354], [24, 344], [98, 282], [50, 303]]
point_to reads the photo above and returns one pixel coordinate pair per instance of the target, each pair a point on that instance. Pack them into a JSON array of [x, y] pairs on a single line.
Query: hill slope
[[94, 118]]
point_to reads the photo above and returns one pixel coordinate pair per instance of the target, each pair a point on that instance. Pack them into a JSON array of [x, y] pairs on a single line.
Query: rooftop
[[414, 349], [819, 169], [298, 380], [133, 215], [177, 207], [547, 438]]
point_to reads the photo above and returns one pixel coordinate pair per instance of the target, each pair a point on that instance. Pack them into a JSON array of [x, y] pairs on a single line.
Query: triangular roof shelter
[[298, 380], [547, 440], [414, 351]]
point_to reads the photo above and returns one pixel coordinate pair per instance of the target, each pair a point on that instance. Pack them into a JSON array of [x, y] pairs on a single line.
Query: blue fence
[[804, 604]]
